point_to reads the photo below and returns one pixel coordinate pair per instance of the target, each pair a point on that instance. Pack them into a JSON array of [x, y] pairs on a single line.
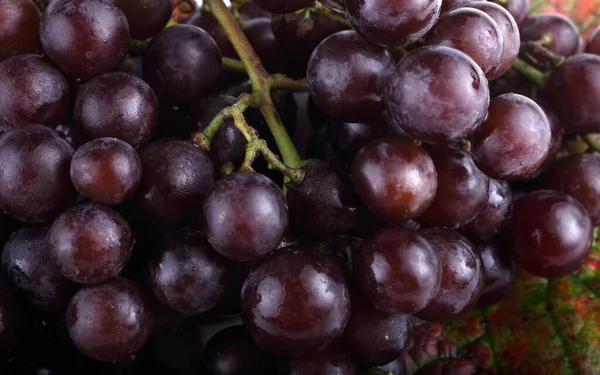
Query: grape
[[231, 352], [395, 178], [462, 189], [186, 274], [555, 141], [106, 170], [347, 76], [245, 216], [109, 321], [393, 23], [19, 25], [207, 22], [372, 336], [519, 9], [433, 75], [238, 272], [573, 90], [181, 64], [496, 211], [9, 317], [90, 243], [514, 140], [295, 301], [498, 270], [297, 37], [84, 38], [577, 175], [34, 174], [347, 138], [510, 33], [593, 42], [27, 264], [261, 37], [473, 32], [34, 92], [556, 32], [331, 360], [549, 234], [117, 105], [283, 6], [176, 176], [462, 276], [249, 10], [396, 367], [323, 204], [398, 270], [448, 5], [146, 17]]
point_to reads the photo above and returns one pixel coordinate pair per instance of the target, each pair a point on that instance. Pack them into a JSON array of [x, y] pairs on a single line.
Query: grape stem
[[534, 49], [332, 13], [261, 82], [530, 72], [593, 141]]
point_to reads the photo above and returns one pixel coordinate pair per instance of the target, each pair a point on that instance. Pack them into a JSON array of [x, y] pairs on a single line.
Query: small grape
[[231, 351], [331, 360], [347, 138], [593, 42], [496, 211], [146, 17], [261, 37], [556, 32], [19, 28], [499, 272]]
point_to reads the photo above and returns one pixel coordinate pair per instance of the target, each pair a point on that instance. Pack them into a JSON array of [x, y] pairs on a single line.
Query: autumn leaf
[[544, 326]]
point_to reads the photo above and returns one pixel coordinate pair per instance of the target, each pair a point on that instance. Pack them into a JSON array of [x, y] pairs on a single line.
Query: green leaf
[[544, 326]]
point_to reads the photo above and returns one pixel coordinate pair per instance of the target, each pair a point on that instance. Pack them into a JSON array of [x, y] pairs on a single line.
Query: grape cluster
[[136, 213]]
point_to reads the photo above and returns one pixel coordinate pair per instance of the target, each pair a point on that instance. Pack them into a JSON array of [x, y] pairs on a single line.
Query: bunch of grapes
[[151, 184]]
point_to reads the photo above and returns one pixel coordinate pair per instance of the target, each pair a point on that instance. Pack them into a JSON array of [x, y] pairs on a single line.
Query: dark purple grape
[[556, 32], [556, 139], [331, 360], [250, 10], [593, 42], [372, 336], [283, 6], [117, 105], [519, 9], [231, 352], [448, 5], [261, 37], [84, 38], [19, 28], [433, 75], [347, 76], [473, 32], [146, 17], [498, 270], [34, 174], [323, 204], [396, 367], [27, 263], [549, 234], [398, 270], [295, 301], [176, 176], [186, 274], [90, 243], [395, 178], [34, 92], [245, 216], [393, 23], [207, 22], [9, 317], [106, 170], [577, 175], [110, 321], [462, 189], [573, 90], [496, 211], [298, 36], [514, 140], [462, 276], [181, 64], [347, 138]]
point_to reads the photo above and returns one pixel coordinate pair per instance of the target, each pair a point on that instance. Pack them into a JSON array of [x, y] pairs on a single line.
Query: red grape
[[283, 6], [499, 273], [347, 76], [462, 276], [331, 360], [19, 27], [393, 23], [514, 140], [207, 22], [106, 170], [109, 321], [34, 92], [549, 234], [146, 17], [398, 270], [90, 243], [593, 42], [462, 189], [438, 94], [495, 212], [84, 38], [250, 10], [117, 105], [347, 138], [519, 9], [556, 32], [245, 216], [295, 301], [395, 178], [555, 142], [231, 351], [448, 5], [34, 174]]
